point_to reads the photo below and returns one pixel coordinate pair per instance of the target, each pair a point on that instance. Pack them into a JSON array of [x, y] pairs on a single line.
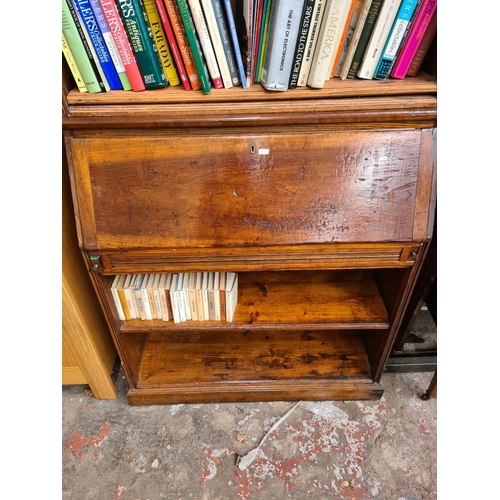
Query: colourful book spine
[[194, 45], [379, 36], [264, 25], [256, 29], [141, 38], [344, 24], [97, 40], [395, 39], [364, 38], [419, 25], [161, 42], [181, 38], [206, 43], [122, 42], [87, 45], [78, 50], [212, 24], [172, 42], [423, 47], [300, 47], [226, 41], [68, 55], [235, 43], [110, 44]]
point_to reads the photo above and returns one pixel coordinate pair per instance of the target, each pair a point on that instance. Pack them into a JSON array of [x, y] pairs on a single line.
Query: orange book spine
[[342, 38]]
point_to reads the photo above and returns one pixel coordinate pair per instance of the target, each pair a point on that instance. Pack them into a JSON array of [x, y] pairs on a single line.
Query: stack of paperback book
[[177, 297], [207, 44]]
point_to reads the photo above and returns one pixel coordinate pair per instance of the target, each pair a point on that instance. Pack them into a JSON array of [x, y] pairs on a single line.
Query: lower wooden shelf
[[256, 365]]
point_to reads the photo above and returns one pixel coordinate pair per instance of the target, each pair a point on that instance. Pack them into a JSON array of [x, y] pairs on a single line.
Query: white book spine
[[185, 295], [156, 295], [213, 29], [205, 41], [174, 300], [145, 298], [312, 37], [379, 35], [163, 297], [116, 298]]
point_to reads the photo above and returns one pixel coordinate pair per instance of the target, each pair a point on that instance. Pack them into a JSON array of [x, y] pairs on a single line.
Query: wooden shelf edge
[[272, 390], [334, 88]]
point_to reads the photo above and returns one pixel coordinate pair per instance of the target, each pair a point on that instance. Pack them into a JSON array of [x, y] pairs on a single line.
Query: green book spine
[[143, 45], [194, 44], [364, 38], [78, 50]]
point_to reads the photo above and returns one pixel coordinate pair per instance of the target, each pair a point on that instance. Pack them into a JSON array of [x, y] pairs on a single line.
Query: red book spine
[[169, 33], [122, 44]]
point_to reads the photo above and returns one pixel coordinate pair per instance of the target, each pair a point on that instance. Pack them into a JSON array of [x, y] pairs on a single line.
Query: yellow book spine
[[73, 66], [160, 39]]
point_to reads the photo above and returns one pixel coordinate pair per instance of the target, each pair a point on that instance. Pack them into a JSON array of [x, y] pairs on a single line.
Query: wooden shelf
[[294, 300], [252, 365], [334, 88]]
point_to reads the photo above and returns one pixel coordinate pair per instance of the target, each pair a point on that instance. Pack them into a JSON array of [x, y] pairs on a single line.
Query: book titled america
[[141, 38], [283, 32], [328, 42]]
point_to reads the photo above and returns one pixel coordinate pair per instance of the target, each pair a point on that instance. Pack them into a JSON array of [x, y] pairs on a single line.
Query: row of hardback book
[[204, 44], [177, 297]]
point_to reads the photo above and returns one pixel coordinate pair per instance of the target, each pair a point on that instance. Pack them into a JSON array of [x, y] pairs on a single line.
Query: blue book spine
[[395, 39], [236, 46], [110, 44], [95, 35]]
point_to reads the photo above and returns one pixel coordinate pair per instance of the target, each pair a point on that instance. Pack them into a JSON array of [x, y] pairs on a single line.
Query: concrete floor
[[385, 449]]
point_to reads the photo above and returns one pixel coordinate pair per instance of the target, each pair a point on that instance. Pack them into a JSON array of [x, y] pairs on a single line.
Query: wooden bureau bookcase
[[321, 200]]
